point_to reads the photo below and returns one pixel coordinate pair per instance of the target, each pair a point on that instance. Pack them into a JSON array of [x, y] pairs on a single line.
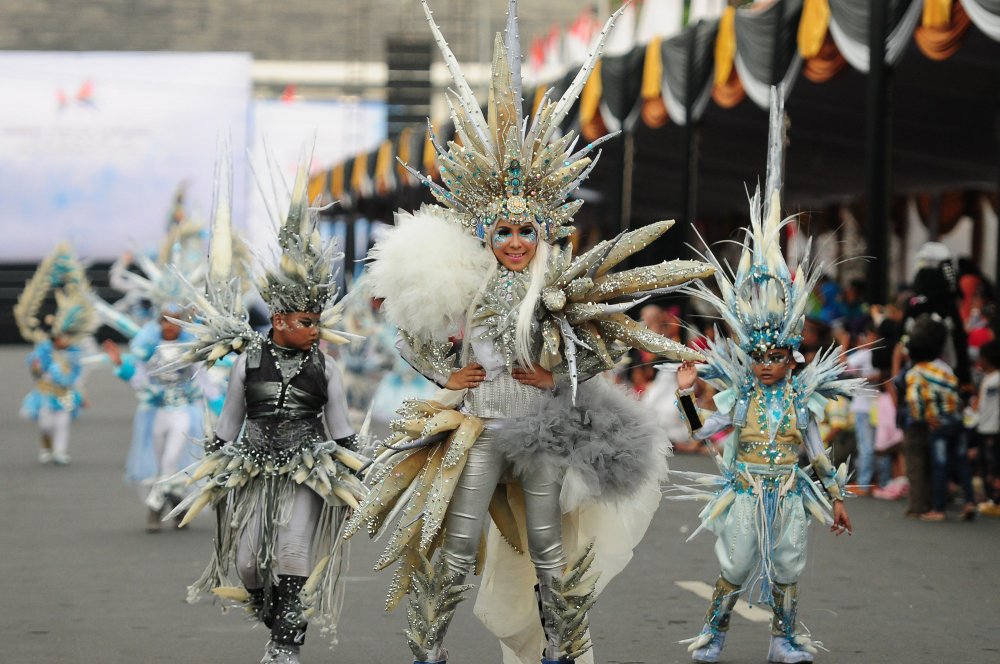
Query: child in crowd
[[859, 365], [935, 437], [987, 405]]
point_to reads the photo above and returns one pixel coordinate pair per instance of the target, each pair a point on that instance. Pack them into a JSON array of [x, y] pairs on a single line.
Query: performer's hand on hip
[[536, 377], [471, 375]]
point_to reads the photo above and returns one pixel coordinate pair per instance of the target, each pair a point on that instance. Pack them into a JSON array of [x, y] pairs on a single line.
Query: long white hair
[[526, 309]]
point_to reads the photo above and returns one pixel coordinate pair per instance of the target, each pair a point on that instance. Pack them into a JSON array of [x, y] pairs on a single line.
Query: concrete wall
[[285, 30]]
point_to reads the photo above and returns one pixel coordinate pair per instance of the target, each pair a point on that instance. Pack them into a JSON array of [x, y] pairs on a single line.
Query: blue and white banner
[[333, 130], [94, 145]]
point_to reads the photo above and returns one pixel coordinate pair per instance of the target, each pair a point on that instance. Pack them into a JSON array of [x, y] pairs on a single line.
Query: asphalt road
[[82, 582]]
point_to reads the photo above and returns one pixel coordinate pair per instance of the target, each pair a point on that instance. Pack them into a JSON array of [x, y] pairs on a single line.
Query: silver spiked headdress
[[507, 167], [762, 302], [303, 277], [300, 276]]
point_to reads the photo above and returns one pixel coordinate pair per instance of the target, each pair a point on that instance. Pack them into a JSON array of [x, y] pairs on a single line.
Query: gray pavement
[[83, 583]]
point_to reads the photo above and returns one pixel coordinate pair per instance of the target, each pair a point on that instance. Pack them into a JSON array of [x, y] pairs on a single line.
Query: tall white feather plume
[[221, 246], [428, 297]]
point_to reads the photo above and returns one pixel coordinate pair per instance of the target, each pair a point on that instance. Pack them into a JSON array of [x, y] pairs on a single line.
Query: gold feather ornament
[[61, 275]]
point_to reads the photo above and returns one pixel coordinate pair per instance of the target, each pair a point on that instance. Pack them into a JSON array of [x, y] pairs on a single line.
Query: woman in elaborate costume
[[279, 469], [761, 504], [568, 471], [55, 361]]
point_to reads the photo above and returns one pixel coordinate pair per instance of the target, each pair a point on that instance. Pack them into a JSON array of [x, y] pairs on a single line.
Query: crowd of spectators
[[928, 431]]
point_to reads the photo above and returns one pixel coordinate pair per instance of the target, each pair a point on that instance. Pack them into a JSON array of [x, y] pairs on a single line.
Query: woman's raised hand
[[471, 375], [536, 377], [687, 374]]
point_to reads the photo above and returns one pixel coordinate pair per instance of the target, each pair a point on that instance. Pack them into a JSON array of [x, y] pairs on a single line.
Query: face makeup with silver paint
[[514, 245]]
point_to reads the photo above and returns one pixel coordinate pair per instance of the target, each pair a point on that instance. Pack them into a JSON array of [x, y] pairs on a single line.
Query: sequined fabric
[[495, 320], [502, 397], [277, 441], [771, 435]]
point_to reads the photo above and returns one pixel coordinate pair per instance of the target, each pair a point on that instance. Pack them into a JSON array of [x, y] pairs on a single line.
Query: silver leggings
[[292, 552], [470, 503]]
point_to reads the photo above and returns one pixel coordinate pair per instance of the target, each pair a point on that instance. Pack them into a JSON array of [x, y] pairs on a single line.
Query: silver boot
[[275, 653]]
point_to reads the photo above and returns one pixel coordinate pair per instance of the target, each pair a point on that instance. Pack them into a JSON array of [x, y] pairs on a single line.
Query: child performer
[[772, 400], [275, 470], [55, 361], [170, 414]]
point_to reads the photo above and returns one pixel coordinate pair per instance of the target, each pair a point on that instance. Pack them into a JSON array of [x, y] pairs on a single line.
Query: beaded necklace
[[772, 400], [284, 357], [508, 283]]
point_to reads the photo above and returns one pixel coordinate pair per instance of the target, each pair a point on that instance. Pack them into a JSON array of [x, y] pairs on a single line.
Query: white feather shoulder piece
[[428, 268]]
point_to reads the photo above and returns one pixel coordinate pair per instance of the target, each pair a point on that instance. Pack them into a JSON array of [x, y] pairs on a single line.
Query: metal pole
[[628, 167], [690, 152], [878, 143], [689, 174], [996, 260]]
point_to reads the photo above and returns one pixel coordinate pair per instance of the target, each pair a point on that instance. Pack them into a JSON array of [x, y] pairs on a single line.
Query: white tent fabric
[[706, 9], [758, 91], [765, 39], [676, 70], [853, 44], [985, 15], [659, 18]]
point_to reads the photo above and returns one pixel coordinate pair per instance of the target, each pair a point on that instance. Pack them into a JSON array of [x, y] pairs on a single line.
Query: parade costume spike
[[500, 171]]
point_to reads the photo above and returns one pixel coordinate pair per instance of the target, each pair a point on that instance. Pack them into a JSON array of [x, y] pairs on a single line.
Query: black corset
[[268, 397]]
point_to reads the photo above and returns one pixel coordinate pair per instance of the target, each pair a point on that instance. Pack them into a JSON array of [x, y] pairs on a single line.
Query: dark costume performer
[[281, 487]]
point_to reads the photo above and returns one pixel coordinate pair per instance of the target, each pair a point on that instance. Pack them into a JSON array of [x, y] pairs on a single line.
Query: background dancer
[[56, 360]]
